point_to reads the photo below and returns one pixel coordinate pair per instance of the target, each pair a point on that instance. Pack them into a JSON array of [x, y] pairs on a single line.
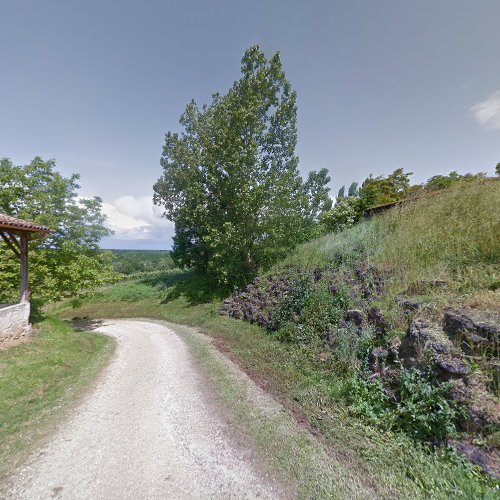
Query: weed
[[425, 411]]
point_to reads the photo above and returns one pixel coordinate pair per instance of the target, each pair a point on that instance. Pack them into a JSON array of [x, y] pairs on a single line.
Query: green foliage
[[425, 411], [141, 261], [380, 190], [347, 247], [438, 182], [316, 191], [343, 215], [230, 182], [368, 400], [374, 191], [291, 305], [69, 261], [308, 312], [353, 189]]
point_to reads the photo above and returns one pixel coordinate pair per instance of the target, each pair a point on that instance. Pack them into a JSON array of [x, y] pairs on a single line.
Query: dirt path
[[145, 431]]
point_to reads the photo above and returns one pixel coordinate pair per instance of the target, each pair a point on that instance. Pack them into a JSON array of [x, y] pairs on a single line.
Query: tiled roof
[[6, 221]]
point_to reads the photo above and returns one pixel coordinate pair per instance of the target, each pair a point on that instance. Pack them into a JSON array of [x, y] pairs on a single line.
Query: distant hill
[[138, 261]]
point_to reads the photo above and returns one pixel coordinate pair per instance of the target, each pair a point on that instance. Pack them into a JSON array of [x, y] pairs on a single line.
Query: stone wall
[[14, 321]]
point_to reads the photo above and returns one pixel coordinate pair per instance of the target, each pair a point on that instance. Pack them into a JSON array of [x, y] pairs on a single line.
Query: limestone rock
[[426, 346]]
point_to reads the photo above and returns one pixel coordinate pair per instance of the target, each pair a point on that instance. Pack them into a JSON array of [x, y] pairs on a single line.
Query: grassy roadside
[[38, 380], [394, 466], [310, 472]]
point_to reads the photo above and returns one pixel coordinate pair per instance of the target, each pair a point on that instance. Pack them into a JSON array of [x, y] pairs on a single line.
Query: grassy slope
[[459, 246], [38, 380], [451, 236]]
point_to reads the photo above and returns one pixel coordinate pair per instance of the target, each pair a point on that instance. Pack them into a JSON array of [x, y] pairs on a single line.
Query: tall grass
[[452, 235], [348, 247], [443, 234]]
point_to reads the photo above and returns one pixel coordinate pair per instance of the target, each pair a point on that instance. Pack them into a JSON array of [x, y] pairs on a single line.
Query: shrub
[[424, 411], [369, 401], [292, 303], [342, 216]]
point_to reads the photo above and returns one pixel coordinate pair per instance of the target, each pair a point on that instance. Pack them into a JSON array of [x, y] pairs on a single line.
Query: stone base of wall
[[14, 324]]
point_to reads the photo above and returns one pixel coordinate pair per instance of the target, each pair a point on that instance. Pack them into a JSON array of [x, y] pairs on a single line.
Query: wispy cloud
[[487, 113], [134, 218]]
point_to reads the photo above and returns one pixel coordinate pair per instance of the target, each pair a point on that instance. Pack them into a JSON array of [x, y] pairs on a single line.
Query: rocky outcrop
[[483, 407], [477, 332], [462, 350], [257, 301], [427, 348], [487, 458], [426, 345]]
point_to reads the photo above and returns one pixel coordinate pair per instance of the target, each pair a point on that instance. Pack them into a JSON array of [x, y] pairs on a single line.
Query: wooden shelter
[[16, 234]]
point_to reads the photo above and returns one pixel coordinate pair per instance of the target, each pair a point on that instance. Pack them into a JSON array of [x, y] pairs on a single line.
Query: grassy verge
[[308, 470], [38, 380], [394, 466]]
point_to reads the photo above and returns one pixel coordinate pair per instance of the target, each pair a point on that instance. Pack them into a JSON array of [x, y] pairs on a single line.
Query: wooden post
[[24, 268]]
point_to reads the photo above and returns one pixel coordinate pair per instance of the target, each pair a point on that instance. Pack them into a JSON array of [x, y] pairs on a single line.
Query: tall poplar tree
[[230, 181]]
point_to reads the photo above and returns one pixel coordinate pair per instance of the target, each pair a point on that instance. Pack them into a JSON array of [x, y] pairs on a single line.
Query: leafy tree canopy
[[345, 213], [437, 182], [69, 261], [230, 181], [380, 190], [316, 190]]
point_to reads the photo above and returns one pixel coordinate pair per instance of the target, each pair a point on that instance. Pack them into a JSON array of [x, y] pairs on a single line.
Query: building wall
[[14, 321]]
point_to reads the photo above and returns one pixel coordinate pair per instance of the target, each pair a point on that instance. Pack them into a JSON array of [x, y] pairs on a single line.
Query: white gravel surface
[[145, 431]]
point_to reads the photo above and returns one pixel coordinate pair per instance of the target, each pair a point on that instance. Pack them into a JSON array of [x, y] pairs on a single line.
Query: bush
[[424, 411], [342, 216], [308, 311], [369, 401], [290, 306]]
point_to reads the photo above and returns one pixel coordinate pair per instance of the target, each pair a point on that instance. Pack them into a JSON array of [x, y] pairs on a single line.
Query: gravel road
[[146, 430]]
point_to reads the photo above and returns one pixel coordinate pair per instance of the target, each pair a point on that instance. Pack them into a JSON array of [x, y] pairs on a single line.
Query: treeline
[[349, 207], [139, 261]]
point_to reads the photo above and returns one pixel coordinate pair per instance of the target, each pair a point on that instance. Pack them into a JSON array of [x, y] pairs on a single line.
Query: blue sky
[[381, 84]]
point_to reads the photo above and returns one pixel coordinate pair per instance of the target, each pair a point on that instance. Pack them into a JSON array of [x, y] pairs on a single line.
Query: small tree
[[69, 261], [341, 193]]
